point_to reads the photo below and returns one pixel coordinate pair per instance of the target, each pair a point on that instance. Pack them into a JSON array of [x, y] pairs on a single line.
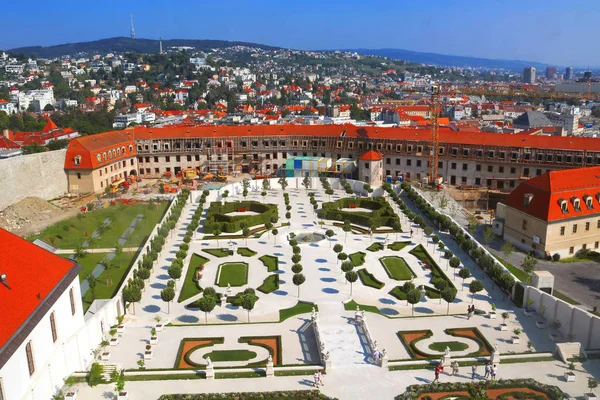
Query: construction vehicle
[[221, 177], [207, 177], [190, 173], [117, 185]]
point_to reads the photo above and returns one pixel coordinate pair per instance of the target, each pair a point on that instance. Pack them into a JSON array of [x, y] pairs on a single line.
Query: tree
[[33, 148], [347, 266], [428, 231], [225, 194], [167, 295], [488, 235], [342, 256], [248, 300], [474, 287], [351, 276], [443, 202], [464, 273], [206, 304], [507, 249], [454, 262], [132, 294], [449, 295], [216, 233], [283, 183], [246, 233], [296, 258], [108, 266], [347, 228], [92, 283], [306, 183], [298, 280], [396, 227], [275, 232], [329, 233], [174, 271], [472, 221], [506, 282], [297, 268], [338, 248], [80, 251], [528, 266], [329, 192], [413, 296]]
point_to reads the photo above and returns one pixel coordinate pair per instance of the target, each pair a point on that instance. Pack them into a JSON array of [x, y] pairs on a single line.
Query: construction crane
[[434, 144]]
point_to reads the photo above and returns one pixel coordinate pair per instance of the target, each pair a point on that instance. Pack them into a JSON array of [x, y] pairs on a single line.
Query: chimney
[[6, 133]]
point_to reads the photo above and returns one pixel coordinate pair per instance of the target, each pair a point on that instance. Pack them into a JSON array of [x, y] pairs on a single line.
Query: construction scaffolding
[[221, 159]]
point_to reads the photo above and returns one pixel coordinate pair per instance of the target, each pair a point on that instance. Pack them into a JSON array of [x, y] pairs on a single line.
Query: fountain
[[309, 237]]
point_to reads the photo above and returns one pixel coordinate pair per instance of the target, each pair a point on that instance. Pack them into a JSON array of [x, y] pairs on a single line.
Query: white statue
[[208, 362], [496, 348], [269, 359], [447, 351]]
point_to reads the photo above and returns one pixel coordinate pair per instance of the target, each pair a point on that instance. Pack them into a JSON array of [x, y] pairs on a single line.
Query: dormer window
[[576, 203], [99, 158], [564, 206], [528, 198], [77, 160], [104, 156], [130, 148], [589, 202]]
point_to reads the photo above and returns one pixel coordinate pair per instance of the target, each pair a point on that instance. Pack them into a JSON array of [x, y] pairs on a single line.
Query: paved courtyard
[[353, 373]]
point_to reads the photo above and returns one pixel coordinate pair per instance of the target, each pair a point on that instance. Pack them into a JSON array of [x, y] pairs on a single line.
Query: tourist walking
[[454, 368], [316, 379], [493, 372], [473, 370], [437, 374], [411, 233], [468, 312], [321, 378], [488, 370]]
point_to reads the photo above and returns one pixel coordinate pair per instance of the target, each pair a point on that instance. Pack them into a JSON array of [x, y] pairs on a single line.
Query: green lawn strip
[[217, 252], [430, 364], [104, 291], [436, 272], [357, 258], [246, 252], [88, 263], [230, 355], [294, 372], [375, 247], [397, 246], [270, 284], [562, 296], [189, 287], [397, 268], [271, 262], [351, 306], [369, 279], [259, 373], [453, 346], [299, 308], [232, 273], [165, 377]]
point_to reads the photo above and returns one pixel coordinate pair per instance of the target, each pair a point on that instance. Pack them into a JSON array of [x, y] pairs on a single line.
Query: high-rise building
[[551, 72], [587, 76], [529, 75], [569, 74]]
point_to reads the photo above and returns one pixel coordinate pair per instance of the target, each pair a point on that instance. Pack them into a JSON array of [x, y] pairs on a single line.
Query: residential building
[[557, 212], [39, 99], [551, 73], [569, 74], [8, 108], [529, 75]]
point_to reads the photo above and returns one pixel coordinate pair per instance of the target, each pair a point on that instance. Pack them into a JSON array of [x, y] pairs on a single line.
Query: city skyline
[[476, 29]]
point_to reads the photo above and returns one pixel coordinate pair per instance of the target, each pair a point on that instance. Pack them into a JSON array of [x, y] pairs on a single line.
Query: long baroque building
[[466, 158]]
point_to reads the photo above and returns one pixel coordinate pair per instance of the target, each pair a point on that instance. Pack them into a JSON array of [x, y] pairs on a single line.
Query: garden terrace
[[217, 217], [381, 213]]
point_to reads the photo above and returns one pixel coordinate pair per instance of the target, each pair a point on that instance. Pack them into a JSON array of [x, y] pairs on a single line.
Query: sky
[[550, 31]]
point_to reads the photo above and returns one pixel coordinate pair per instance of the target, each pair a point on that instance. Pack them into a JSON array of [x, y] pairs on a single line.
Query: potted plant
[[556, 326], [541, 323], [120, 386], [105, 355], [569, 374], [148, 353], [592, 384], [528, 311], [159, 326], [120, 326], [515, 338], [113, 340], [153, 337], [492, 313], [141, 364], [505, 316]]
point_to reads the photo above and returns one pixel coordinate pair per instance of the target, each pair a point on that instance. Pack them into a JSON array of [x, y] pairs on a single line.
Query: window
[[454, 151], [465, 166], [595, 246], [502, 155], [77, 160], [409, 148], [419, 149], [398, 148], [453, 165], [338, 144], [571, 250], [477, 181], [538, 172], [465, 152], [30, 363], [524, 224], [418, 163], [587, 226], [490, 168], [463, 180], [397, 161], [388, 161], [525, 171], [574, 228], [513, 170], [1, 390], [189, 158], [53, 326], [501, 170], [408, 163], [562, 231], [167, 159], [478, 167], [366, 165], [598, 224], [72, 299], [479, 153]]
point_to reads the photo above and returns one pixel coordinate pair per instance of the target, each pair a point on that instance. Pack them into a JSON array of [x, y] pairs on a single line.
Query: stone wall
[[40, 175]]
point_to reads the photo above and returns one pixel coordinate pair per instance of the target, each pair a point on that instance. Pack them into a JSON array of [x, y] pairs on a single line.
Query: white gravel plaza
[[353, 373]]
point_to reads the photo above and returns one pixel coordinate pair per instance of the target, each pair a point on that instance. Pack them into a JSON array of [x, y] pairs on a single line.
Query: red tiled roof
[[50, 125], [88, 147], [30, 270], [8, 144], [551, 188], [371, 155]]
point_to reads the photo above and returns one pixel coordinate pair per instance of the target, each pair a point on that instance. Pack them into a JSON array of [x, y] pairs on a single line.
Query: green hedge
[[213, 341], [381, 213], [270, 284], [216, 215], [276, 361], [368, 279]]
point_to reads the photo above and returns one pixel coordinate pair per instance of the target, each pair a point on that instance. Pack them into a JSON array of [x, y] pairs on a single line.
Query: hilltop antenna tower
[[132, 33], [160, 51]]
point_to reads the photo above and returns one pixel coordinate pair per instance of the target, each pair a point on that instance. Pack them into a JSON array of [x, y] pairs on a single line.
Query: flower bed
[[188, 346], [295, 394], [410, 338], [271, 343]]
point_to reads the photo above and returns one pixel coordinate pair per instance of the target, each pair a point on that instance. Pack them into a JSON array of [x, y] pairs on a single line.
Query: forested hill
[[125, 44]]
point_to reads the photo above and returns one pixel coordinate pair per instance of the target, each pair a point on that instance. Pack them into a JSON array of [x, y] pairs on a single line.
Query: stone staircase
[[109, 368], [570, 350]]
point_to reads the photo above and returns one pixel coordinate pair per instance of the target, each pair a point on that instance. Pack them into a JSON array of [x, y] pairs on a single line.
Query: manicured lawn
[[217, 252], [397, 246], [234, 274], [189, 288], [104, 291], [246, 252], [357, 258], [230, 355], [270, 284], [375, 247], [396, 268], [70, 233], [299, 308], [271, 262], [454, 346], [436, 272], [398, 292], [88, 263], [368, 279], [351, 306]]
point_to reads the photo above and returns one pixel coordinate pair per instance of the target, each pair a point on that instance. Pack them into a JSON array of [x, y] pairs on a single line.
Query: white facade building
[[38, 98]]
